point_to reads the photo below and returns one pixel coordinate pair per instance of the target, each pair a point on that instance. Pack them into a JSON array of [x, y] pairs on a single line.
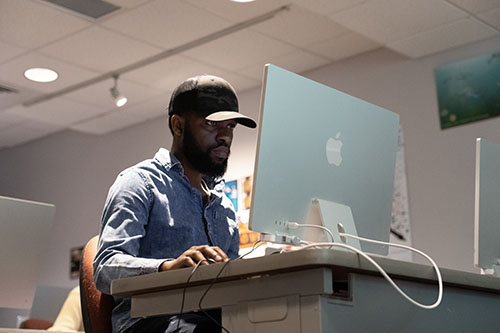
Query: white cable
[[426, 256], [295, 225], [381, 270]]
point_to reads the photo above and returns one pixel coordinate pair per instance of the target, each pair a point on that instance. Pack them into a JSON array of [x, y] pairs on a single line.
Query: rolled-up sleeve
[[124, 222]]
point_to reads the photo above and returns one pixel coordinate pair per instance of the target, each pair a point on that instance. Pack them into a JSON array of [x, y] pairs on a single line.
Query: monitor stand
[[493, 271], [321, 213], [334, 216]]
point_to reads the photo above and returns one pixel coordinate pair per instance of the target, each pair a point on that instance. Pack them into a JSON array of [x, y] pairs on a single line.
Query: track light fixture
[[119, 99]]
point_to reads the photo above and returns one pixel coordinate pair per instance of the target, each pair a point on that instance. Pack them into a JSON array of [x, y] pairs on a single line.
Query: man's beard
[[201, 160]]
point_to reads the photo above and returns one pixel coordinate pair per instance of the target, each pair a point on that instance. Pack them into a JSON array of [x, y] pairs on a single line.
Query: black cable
[[397, 234], [184, 293], [255, 246], [205, 293]]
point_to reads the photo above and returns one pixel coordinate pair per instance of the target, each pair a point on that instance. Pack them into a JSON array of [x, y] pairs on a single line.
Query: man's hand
[[194, 255]]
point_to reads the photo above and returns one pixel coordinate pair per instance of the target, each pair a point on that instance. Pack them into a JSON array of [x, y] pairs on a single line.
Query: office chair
[[36, 324], [96, 306]]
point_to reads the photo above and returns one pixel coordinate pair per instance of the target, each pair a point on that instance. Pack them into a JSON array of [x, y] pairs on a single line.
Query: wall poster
[[468, 90], [75, 258]]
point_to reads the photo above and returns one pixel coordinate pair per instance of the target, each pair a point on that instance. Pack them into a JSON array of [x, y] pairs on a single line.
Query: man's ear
[[177, 123]]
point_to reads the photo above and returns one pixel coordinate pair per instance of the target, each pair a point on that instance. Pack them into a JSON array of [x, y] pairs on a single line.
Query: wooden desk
[[321, 291]]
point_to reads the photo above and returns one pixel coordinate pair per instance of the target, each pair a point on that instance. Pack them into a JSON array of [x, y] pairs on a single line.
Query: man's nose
[[225, 134]]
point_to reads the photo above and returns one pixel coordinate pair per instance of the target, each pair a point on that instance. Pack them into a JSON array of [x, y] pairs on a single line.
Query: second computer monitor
[[487, 205], [25, 229]]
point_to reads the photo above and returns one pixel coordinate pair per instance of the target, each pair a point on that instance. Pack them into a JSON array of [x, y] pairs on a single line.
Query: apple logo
[[333, 147]]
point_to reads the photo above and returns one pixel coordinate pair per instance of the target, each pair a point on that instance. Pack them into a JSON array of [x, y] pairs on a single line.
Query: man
[[170, 211]]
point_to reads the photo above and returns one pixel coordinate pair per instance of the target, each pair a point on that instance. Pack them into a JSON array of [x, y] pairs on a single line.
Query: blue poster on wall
[[468, 90], [231, 190]]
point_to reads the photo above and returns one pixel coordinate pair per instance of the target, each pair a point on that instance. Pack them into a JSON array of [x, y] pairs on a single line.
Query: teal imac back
[[316, 142], [487, 205]]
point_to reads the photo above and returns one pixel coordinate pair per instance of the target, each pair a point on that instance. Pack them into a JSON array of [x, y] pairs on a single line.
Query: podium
[[320, 290]]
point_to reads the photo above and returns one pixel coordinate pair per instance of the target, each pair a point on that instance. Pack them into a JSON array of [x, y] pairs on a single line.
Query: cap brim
[[228, 115]]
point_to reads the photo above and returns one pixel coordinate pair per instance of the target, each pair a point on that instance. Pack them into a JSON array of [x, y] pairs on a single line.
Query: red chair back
[[96, 306]]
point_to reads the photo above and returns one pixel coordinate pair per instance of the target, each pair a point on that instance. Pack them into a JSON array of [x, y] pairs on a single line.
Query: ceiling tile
[[300, 27], [297, 62], [26, 131], [152, 108], [109, 50], [31, 24], [326, 7], [99, 95], [127, 3], [238, 80], [166, 74], [389, 20], [107, 123], [343, 46], [17, 97], [239, 50], [9, 52], [476, 6], [442, 38], [8, 119], [167, 23], [12, 71], [492, 17], [239, 11], [56, 111]]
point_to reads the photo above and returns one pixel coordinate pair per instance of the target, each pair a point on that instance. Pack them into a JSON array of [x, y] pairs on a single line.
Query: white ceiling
[[310, 34]]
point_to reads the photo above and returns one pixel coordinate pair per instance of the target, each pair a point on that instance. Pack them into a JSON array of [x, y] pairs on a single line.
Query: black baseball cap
[[209, 96]]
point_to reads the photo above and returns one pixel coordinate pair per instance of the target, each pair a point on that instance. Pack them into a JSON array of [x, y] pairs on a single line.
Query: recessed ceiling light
[[41, 74], [242, 0]]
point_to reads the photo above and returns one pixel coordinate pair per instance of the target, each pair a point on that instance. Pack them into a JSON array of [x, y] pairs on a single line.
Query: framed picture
[[468, 90], [231, 191], [239, 191], [75, 255]]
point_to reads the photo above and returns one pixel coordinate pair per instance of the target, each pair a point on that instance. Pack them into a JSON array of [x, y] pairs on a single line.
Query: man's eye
[[211, 123], [231, 125]]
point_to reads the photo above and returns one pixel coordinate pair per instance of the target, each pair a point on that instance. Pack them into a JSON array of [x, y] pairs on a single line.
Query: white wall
[[74, 170]]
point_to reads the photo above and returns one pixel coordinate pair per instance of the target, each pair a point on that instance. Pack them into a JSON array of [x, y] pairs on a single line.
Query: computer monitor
[[25, 228], [316, 142], [487, 205]]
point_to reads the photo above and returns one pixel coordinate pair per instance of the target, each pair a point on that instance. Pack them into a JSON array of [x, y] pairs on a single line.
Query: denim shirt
[[153, 214]]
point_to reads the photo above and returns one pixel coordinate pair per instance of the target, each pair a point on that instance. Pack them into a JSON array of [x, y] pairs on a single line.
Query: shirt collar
[[168, 160]]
